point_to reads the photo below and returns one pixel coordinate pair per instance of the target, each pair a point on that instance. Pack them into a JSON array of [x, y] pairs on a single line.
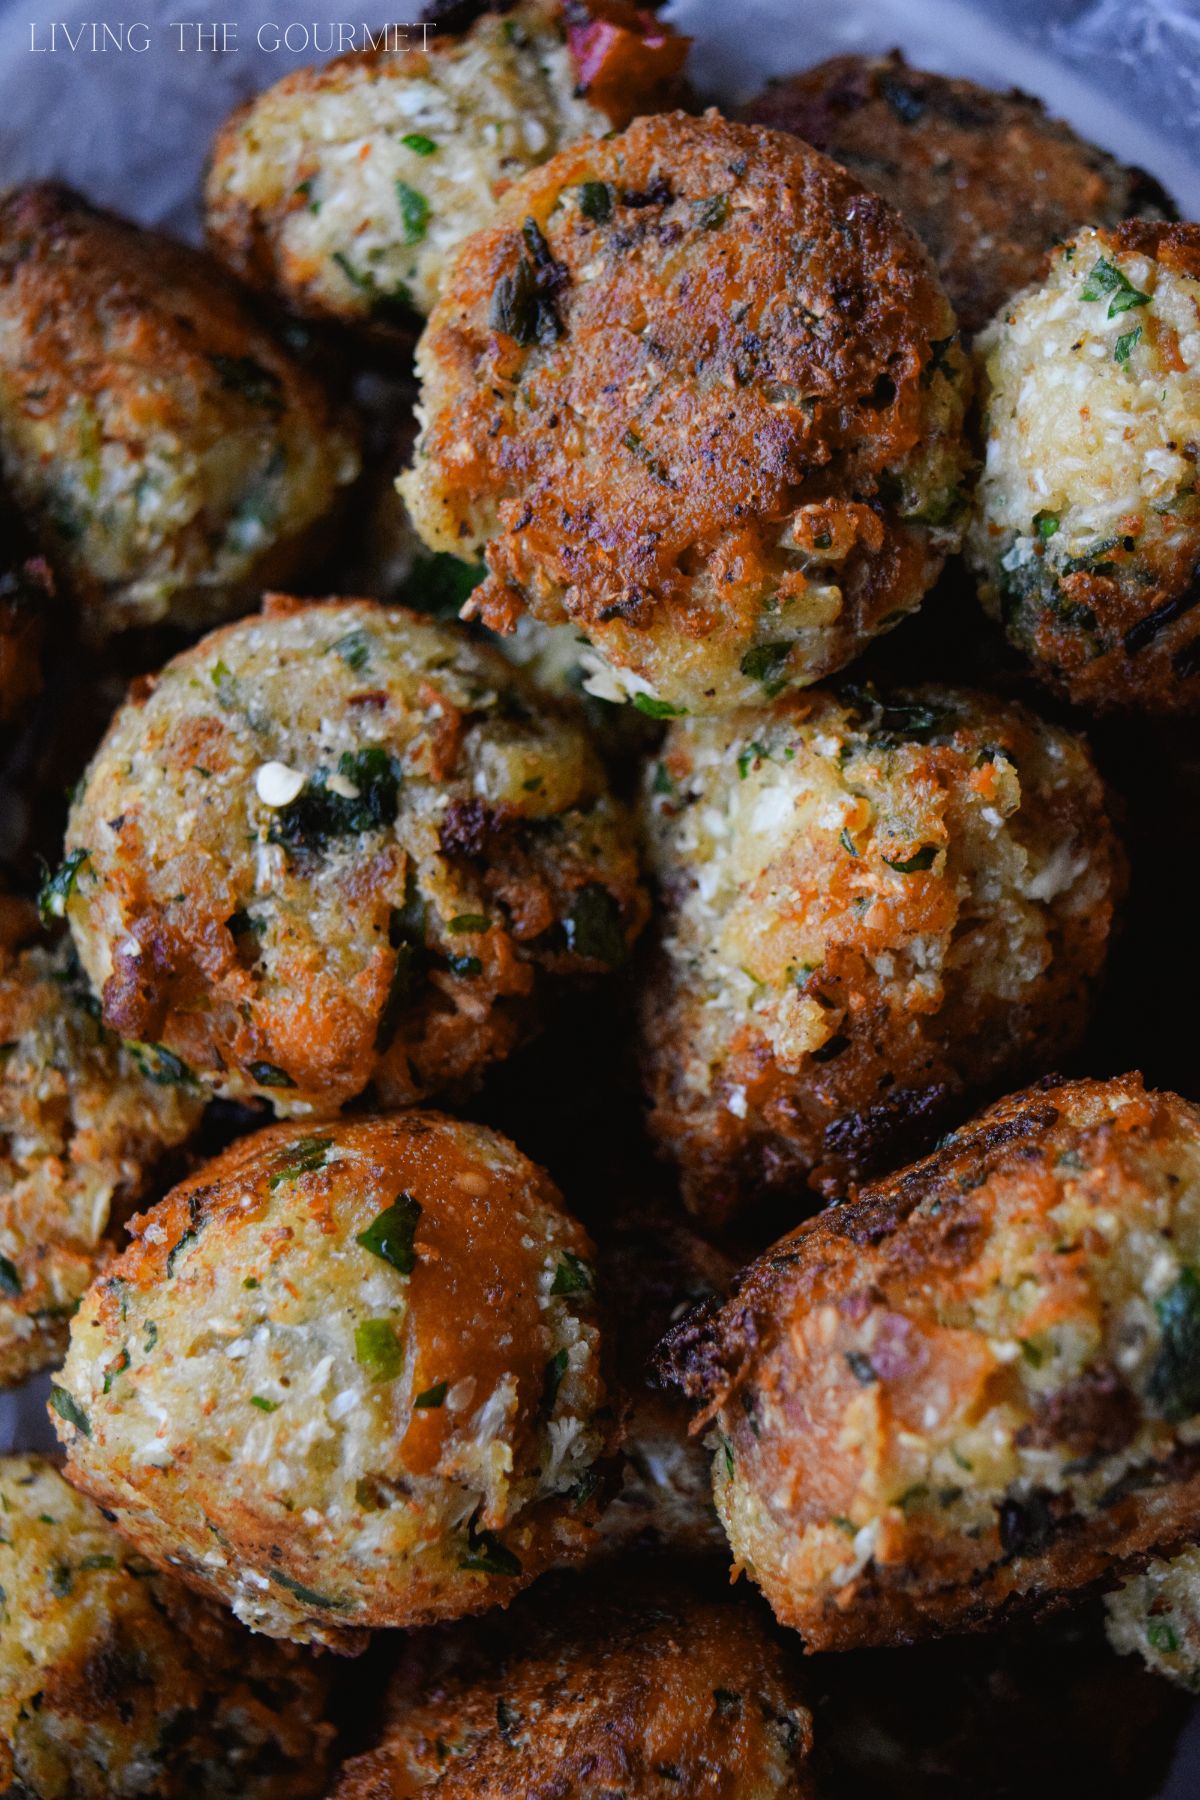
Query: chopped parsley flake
[[766, 663], [185, 1242], [712, 213], [308, 1595], [1106, 278], [1125, 344], [464, 922], [160, 1065], [1161, 1636], [916, 864], [521, 310], [354, 649], [432, 1397], [414, 212], [556, 1368], [488, 1556], [750, 757], [10, 1278], [377, 1349], [391, 1235], [58, 888], [572, 1276], [593, 926], [383, 303], [654, 708], [320, 814], [1174, 1381], [269, 1075], [418, 143], [596, 201], [68, 1408], [304, 1157]]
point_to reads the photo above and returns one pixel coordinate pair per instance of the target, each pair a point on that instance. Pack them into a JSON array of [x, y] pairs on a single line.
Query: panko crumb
[[974, 1390], [636, 1682], [871, 906], [1086, 533], [347, 1378], [347, 189], [730, 454], [116, 1683], [84, 1120], [341, 845]]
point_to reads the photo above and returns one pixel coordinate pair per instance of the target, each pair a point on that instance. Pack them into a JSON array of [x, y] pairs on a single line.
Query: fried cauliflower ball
[[700, 395], [83, 1121], [975, 1389], [632, 1686], [1156, 1614], [117, 1682], [172, 456], [341, 844], [871, 907], [987, 181], [346, 1380], [1087, 525], [346, 189]]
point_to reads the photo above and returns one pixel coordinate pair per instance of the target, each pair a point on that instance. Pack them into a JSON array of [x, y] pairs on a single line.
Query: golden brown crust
[[872, 906], [640, 1686], [1092, 398], [115, 1680], [446, 850], [172, 457], [987, 181], [728, 452], [347, 1378], [84, 1122], [973, 1391], [301, 195]]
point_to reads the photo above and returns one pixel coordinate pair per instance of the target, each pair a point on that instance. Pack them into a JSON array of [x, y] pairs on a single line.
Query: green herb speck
[[58, 888], [269, 1075], [916, 864], [377, 1349], [596, 201], [304, 1157], [572, 1276], [68, 1408], [414, 212], [1106, 278], [391, 1235], [654, 708]]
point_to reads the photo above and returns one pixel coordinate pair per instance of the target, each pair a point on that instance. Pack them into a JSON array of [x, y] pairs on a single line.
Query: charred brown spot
[[1095, 1415], [471, 826], [888, 1132], [136, 995]]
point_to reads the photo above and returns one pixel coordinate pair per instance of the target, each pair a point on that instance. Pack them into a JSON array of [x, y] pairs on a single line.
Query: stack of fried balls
[[569, 1136]]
